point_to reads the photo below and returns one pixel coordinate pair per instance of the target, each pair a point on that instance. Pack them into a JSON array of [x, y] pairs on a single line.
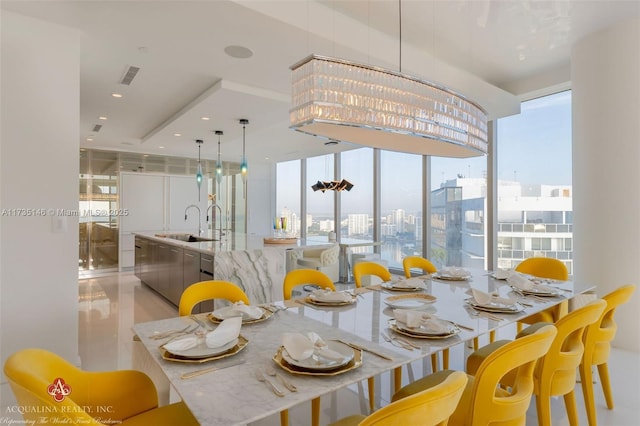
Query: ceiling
[[488, 50]]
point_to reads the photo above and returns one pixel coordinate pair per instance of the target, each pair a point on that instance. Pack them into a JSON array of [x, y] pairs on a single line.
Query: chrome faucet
[[199, 217], [214, 218]]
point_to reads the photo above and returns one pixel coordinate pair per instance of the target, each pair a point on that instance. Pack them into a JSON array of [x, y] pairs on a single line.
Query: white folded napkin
[[420, 319], [224, 333], [182, 344], [409, 283], [501, 274], [519, 281], [301, 347], [454, 271], [249, 312], [484, 298], [328, 295]]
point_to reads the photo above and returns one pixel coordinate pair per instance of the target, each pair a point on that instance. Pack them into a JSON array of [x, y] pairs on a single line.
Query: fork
[[261, 378], [172, 333], [396, 342]]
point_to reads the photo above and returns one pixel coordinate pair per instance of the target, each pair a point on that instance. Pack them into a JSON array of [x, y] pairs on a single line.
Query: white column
[[606, 166]]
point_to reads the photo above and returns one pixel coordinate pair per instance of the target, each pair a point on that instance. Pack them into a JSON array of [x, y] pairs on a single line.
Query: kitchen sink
[[189, 238]]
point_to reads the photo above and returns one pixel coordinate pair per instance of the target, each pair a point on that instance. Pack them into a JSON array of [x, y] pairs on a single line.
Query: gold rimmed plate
[[198, 359], [393, 325], [410, 301], [319, 302], [542, 291], [221, 314], [498, 308], [393, 286], [448, 277], [319, 363], [355, 362]]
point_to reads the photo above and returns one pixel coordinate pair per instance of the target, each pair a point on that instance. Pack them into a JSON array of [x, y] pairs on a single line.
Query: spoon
[[272, 372], [261, 378]]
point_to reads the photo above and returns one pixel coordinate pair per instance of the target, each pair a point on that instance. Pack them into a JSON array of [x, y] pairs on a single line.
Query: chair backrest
[[330, 255], [32, 373], [430, 407], [207, 290], [418, 263], [557, 369], [305, 276], [369, 268], [544, 267], [598, 336], [491, 404]]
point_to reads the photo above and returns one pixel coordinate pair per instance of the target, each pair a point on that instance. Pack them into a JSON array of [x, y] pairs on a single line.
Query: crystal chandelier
[[371, 106]]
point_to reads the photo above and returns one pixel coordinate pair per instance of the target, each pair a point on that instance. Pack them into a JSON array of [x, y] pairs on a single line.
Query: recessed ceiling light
[[89, 139], [205, 118], [177, 134], [145, 155], [102, 117], [116, 95], [239, 52], [161, 147]]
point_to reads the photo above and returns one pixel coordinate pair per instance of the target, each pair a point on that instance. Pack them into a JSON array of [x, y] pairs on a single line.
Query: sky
[[534, 147]]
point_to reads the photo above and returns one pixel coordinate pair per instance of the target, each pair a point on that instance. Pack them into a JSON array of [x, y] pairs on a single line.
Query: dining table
[[232, 395]]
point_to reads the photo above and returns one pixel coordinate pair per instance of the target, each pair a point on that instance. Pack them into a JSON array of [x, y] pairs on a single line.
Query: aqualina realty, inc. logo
[[59, 390]]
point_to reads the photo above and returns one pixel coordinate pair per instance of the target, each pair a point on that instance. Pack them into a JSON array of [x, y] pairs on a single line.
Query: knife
[[208, 370], [362, 348]]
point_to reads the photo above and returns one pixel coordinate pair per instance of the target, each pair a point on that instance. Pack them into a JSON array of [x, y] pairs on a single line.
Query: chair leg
[[572, 410], [543, 408], [315, 412], [370, 385], [587, 390], [603, 372], [284, 418]]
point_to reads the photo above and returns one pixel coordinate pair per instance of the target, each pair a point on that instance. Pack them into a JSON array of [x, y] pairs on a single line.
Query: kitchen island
[[168, 262]]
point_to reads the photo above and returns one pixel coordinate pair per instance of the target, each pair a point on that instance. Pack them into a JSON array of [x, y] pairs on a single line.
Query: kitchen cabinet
[[190, 267], [174, 284]]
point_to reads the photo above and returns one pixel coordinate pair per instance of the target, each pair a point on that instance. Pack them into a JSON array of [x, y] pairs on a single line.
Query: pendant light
[[219, 162], [243, 164], [199, 172]]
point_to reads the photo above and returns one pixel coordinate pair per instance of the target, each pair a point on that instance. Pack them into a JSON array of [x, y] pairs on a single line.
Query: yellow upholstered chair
[[483, 402], [597, 346], [417, 262], [299, 277], [555, 374], [545, 267], [430, 407], [36, 376], [369, 268], [207, 290]]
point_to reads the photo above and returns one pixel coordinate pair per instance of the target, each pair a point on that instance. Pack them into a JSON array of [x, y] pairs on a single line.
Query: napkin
[[409, 283], [415, 319], [483, 298], [182, 344], [454, 271], [251, 312], [328, 295], [224, 333], [301, 347], [501, 274], [520, 282]]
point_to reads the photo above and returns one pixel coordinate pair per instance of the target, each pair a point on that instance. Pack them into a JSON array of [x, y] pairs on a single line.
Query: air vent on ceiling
[[97, 127], [129, 75]]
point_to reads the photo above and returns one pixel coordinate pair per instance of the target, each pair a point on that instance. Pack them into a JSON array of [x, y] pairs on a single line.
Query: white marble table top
[[233, 396]]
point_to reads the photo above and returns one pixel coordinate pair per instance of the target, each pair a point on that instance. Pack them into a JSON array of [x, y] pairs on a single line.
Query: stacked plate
[[203, 353], [229, 312], [410, 301], [318, 365], [443, 330], [496, 307], [403, 285], [331, 299], [451, 277], [538, 290]]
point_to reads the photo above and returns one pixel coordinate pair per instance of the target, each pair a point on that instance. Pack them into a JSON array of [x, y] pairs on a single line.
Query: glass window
[[288, 195], [356, 216], [534, 176], [320, 205]]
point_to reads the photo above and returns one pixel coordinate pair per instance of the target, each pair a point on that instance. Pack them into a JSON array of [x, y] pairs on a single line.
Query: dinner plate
[[451, 277], [355, 362], [314, 301], [241, 343], [542, 291], [425, 331], [500, 308], [393, 325], [222, 314], [410, 301], [390, 285], [202, 350], [318, 363]]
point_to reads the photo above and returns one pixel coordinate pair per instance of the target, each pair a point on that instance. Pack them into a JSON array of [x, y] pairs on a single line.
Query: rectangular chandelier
[[371, 106]]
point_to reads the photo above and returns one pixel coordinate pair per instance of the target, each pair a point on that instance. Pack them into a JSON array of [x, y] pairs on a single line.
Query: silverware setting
[[396, 342], [486, 315], [287, 384], [262, 378], [196, 373], [174, 333], [460, 325], [365, 349], [200, 322]]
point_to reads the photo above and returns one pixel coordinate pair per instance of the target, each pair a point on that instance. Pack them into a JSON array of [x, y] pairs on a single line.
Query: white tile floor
[[119, 300]]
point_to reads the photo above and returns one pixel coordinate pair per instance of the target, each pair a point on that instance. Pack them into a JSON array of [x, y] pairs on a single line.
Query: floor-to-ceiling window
[[288, 196], [320, 205], [534, 182], [356, 215]]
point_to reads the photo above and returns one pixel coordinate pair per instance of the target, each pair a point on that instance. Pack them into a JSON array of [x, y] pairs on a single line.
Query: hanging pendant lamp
[[243, 163], [219, 162], [199, 172]]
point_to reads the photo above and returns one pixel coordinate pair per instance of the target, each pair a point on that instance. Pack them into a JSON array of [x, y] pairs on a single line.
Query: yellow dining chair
[[417, 262], [597, 346], [430, 407], [427, 267], [555, 373], [207, 290], [544, 267], [51, 390], [483, 402], [299, 277], [369, 268]]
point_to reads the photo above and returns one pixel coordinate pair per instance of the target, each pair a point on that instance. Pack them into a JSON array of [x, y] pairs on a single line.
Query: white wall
[[39, 161], [606, 167], [261, 196]]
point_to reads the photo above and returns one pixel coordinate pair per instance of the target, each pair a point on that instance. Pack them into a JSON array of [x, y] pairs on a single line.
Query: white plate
[[448, 277], [390, 285], [323, 364], [229, 312], [542, 291], [424, 331], [203, 351], [497, 307], [409, 301]]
